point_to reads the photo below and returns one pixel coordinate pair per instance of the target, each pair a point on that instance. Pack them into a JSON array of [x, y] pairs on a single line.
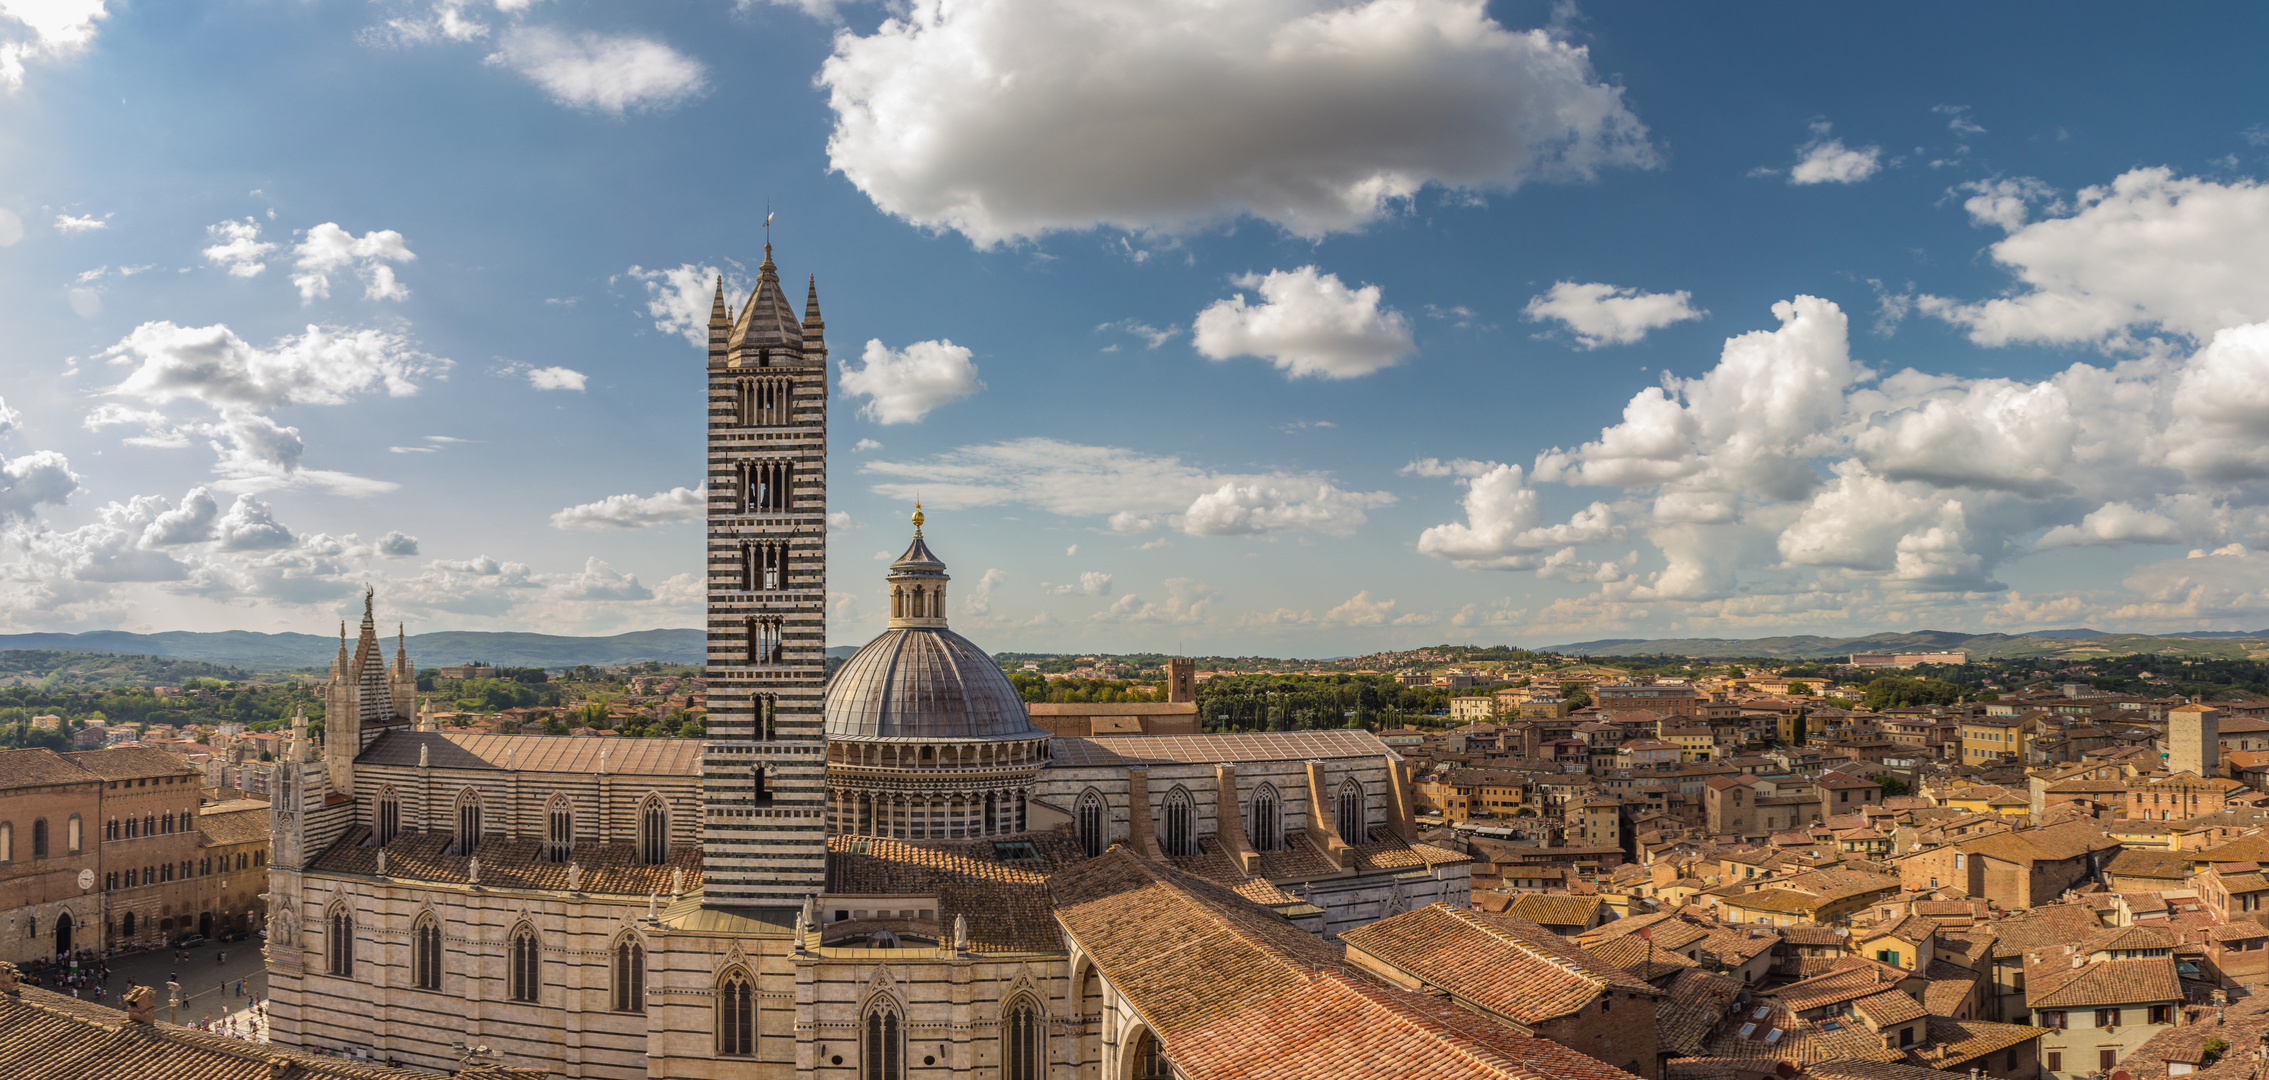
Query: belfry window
[[736, 1015], [1093, 837], [882, 1050]]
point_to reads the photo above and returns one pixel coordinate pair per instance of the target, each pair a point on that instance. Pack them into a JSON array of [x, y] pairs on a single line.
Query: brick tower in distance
[[764, 830]]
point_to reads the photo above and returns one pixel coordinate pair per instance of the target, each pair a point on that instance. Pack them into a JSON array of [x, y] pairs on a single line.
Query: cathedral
[[888, 875]]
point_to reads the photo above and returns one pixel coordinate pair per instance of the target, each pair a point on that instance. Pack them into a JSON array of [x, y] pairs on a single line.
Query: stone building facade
[[859, 880], [47, 807]]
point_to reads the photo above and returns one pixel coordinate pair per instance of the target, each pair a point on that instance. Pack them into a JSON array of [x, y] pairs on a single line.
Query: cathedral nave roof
[[1076, 752], [538, 753], [512, 862], [1006, 902]]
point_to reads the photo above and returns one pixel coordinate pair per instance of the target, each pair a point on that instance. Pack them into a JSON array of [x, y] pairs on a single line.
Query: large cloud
[[1127, 489], [2150, 250], [903, 385], [1791, 471], [240, 383], [32, 29], [1307, 323], [1005, 119]]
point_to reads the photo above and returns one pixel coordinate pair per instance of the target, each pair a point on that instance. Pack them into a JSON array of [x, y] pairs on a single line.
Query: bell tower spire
[[720, 326]]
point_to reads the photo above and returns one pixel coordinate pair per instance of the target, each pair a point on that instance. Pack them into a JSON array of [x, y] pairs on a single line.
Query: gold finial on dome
[[917, 514]]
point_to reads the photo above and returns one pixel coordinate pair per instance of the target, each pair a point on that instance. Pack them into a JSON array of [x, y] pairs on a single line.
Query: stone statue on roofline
[[960, 933], [574, 877]]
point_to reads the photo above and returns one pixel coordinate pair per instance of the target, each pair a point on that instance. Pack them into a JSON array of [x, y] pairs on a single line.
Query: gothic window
[[653, 831], [39, 838], [165, 824], [1348, 815], [758, 792], [340, 942], [133, 828], [755, 645], [740, 488], [75, 834], [1024, 1051], [521, 959], [389, 815], [748, 567], [767, 717], [149, 824], [110, 830], [1181, 822], [425, 953], [736, 1014], [630, 975], [559, 828], [882, 1052], [1150, 1059], [7, 841], [1092, 836], [468, 821], [1265, 824]]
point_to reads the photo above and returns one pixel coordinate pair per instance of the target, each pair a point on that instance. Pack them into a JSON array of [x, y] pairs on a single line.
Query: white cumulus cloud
[[556, 378], [238, 247], [1602, 314], [43, 29], [605, 73], [65, 223], [1006, 119], [1128, 490], [2150, 250], [329, 249], [1826, 160], [1307, 323], [682, 298], [2114, 524], [636, 511], [903, 385]]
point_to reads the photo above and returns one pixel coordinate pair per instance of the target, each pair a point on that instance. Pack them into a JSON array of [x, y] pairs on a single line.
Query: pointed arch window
[[630, 975], [1181, 822], [1264, 825], [339, 942], [559, 828], [653, 831], [1024, 1049], [468, 821], [1093, 836], [523, 964], [736, 1015], [1150, 1059], [1349, 814], [425, 953], [882, 1042], [389, 815]]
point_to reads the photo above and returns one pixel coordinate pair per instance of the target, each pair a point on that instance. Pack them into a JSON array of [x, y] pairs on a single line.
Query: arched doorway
[[205, 924], [127, 928], [63, 932]]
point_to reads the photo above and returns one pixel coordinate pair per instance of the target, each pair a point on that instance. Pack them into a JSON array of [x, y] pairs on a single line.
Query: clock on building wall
[[86, 880]]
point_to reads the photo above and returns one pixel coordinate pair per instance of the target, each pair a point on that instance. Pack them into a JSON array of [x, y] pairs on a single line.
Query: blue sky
[[1291, 327]]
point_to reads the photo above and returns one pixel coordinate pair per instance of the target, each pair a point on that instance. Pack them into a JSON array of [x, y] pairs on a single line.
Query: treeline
[[1314, 702], [56, 669]]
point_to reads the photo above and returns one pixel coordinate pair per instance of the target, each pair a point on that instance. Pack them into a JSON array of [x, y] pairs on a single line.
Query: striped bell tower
[[764, 836]]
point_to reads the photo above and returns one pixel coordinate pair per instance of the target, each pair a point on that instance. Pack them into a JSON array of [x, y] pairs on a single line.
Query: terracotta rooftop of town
[[1505, 964]]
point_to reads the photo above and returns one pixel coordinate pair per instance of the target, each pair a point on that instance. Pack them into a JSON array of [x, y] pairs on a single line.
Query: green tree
[[1575, 695]]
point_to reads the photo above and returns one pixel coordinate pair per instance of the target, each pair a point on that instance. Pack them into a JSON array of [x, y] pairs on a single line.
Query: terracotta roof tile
[[130, 763], [2105, 982], [1547, 910], [1006, 903], [1505, 964], [537, 753], [511, 862], [1111, 750], [40, 766]]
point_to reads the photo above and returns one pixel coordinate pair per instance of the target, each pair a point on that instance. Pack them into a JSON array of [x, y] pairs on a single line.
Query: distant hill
[[268, 652], [2075, 644]]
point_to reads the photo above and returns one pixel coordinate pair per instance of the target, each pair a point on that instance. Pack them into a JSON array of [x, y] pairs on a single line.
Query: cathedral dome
[[920, 680]]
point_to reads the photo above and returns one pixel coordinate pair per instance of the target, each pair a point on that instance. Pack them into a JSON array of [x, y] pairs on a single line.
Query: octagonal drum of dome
[[924, 683]]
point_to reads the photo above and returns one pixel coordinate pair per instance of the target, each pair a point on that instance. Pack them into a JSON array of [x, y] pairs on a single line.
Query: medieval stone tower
[[764, 834]]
